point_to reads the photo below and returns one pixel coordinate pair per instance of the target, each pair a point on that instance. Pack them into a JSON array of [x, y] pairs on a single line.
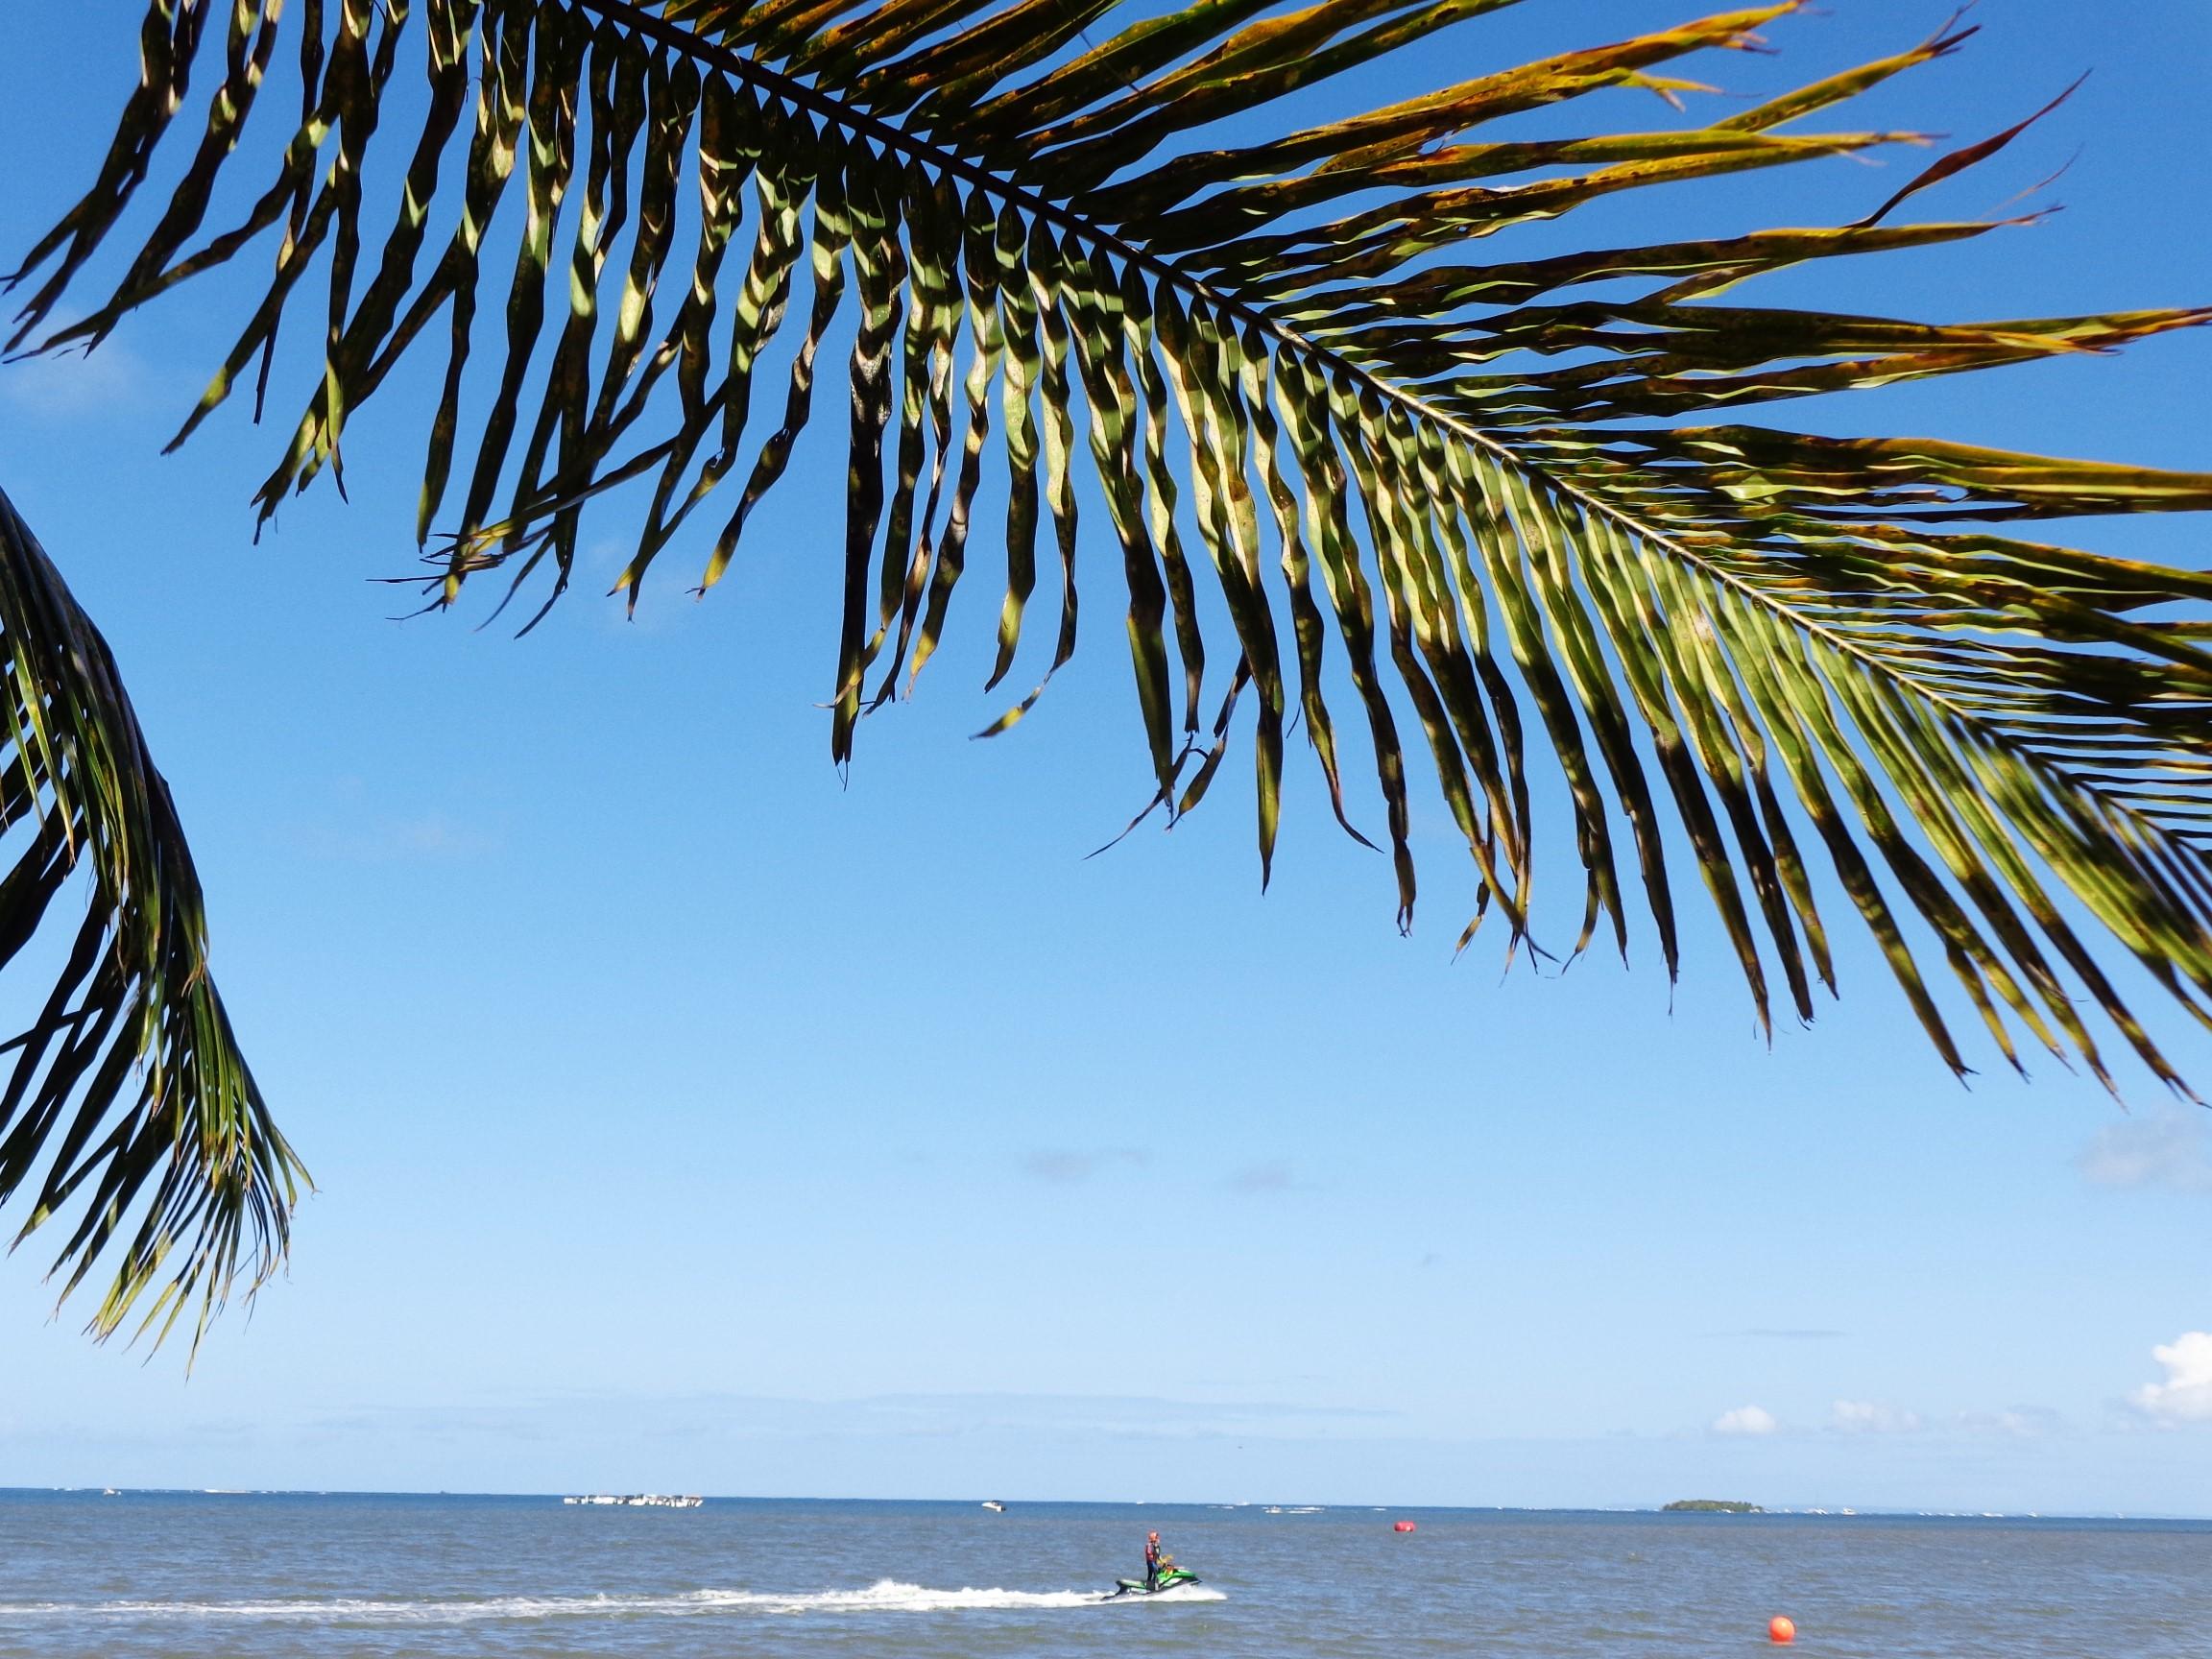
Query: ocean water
[[243, 1575]]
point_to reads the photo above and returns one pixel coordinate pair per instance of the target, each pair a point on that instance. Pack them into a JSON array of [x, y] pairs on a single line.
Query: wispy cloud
[[352, 824], [1107, 1412], [1852, 1418], [2018, 1421], [1747, 1421], [2186, 1394], [1873, 1417], [70, 385], [2168, 1150], [394, 839], [1063, 1168], [891, 1416], [1273, 1176]]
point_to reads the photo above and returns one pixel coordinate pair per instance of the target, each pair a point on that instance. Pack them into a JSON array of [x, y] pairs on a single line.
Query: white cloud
[[2168, 1149], [1871, 1417], [2186, 1394], [1747, 1420]]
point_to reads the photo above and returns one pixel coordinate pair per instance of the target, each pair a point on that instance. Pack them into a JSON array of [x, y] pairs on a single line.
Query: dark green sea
[[247, 1576]]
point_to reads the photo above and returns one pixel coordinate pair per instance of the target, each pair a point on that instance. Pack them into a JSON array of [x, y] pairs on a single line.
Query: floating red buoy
[[1780, 1628], [1401, 1526]]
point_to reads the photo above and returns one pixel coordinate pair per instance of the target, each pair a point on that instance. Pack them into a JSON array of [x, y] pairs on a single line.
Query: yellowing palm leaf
[[127, 1099]]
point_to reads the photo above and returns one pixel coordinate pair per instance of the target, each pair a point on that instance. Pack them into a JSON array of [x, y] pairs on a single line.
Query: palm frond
[[1293, 363], [127, 1104]]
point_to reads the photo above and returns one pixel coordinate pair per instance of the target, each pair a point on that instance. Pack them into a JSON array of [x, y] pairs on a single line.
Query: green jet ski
[[1169, 1578]]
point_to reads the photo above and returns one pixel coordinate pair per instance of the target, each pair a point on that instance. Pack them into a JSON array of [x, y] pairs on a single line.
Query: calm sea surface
[[242, 1576]]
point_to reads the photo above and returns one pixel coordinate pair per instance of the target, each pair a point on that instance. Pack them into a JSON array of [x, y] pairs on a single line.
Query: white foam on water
[[1175, 1593], [885, 1596]]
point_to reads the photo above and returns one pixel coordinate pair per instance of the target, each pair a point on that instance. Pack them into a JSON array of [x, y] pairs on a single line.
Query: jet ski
[[1169, 1578]]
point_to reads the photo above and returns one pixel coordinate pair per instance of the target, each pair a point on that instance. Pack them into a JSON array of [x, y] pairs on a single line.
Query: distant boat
[[636, 1500], [994, 1505]]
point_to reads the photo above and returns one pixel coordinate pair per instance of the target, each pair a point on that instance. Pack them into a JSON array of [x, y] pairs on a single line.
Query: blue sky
[[689, 1116]]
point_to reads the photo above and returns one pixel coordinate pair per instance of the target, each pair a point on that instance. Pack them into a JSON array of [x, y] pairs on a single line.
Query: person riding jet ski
[[1159, 1572]]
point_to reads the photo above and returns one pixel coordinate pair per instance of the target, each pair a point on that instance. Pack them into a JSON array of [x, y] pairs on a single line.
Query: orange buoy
[[1401, 1526], [1781, 1628]]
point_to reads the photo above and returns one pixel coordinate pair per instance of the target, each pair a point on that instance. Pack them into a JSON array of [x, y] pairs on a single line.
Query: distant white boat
[[992, 1504], [636, 1500]]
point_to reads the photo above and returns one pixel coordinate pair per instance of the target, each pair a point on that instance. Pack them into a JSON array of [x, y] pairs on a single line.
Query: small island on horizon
[[1709, 1507]]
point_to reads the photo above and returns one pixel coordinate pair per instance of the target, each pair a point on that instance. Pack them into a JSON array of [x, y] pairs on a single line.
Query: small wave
[[885, 1596]]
